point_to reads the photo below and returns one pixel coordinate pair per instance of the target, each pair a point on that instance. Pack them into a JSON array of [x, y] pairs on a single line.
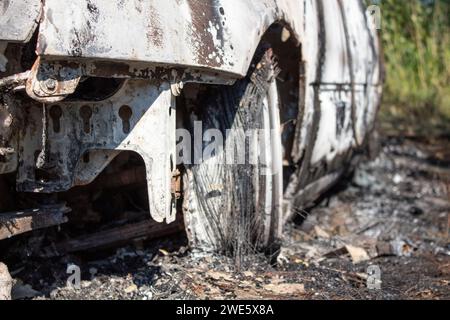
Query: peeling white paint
[[18, 19]]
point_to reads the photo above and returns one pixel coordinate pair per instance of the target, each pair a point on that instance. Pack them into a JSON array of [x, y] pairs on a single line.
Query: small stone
[[397, 179], [384, 249], [357, 254], [320, 233], [132, 288]]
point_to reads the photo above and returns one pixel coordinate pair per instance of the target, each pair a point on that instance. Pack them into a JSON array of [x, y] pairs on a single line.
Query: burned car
[[241, 112]]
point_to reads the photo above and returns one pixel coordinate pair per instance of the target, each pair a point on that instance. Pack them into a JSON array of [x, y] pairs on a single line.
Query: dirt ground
[[381, 234]]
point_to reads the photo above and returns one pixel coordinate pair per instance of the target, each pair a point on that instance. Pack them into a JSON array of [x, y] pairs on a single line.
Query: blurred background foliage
[[416, 44]]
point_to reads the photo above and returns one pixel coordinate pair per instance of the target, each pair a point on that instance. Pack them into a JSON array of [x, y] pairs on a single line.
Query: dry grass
[[416, 43]]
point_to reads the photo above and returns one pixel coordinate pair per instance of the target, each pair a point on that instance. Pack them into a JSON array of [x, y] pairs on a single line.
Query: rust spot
[[207, 15], [154, 31], [106, 69]]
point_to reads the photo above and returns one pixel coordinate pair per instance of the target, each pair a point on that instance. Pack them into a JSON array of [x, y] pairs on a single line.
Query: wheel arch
[[206, 35]]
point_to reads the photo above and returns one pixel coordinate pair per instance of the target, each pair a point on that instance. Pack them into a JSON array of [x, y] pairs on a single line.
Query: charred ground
[[392, 213]]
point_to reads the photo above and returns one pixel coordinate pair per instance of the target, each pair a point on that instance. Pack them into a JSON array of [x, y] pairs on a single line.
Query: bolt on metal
[[50, 84]]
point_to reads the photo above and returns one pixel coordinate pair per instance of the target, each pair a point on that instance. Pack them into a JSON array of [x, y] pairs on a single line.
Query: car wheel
[[230, 206]]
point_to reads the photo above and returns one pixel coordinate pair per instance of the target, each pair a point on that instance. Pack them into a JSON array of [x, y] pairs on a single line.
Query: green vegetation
[[416, 44]]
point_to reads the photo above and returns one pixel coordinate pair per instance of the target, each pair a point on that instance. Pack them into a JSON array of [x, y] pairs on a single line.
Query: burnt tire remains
[[235, 208]]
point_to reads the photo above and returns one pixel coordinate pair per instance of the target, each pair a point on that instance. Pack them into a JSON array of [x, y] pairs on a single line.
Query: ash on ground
[[381, 234]]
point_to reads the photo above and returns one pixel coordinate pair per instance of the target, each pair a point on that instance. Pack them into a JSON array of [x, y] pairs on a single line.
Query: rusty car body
[[83, 81]]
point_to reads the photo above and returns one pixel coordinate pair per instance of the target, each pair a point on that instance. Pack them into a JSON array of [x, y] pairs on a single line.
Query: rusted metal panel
[[334, 134], [139, 118], [213, 34], [9, 121], [342, 90], [349, 73], [14, 223], [49, 86], [366, 73], [52, 81], [18, 19]]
